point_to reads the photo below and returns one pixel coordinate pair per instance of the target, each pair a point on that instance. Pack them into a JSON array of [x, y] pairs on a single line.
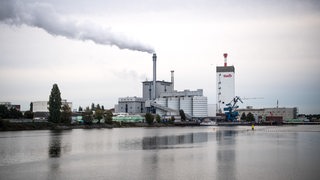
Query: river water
[[278, 152]]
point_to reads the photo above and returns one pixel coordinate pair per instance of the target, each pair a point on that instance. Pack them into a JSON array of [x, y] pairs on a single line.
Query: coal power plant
[[160, 97]]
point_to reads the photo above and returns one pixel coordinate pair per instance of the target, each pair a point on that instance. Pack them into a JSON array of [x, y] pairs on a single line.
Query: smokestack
[[225, 55], [172, 79], [154, 58]]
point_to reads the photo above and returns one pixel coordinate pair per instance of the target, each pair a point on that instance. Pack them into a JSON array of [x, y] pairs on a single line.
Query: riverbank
[[8, 126], [21, 126]]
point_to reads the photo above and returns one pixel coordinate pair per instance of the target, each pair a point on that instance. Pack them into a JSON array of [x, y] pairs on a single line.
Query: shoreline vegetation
[[5, 125]]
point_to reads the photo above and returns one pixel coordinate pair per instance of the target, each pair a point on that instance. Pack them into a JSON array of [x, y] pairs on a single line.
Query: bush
[[149, 118], [158, 118], [4, 124]]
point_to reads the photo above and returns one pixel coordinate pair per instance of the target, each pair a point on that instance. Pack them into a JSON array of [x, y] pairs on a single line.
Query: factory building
[[131, 105], [161, 87], [160, 97], [225, 84], [285, 113], [193, 103]]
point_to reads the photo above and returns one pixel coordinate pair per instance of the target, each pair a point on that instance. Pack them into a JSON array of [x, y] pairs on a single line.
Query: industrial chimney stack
[[172, 79], [225, 59], [154, 58]]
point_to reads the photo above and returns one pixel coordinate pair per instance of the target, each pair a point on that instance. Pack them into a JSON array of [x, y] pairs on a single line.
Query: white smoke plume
[[43, 15]]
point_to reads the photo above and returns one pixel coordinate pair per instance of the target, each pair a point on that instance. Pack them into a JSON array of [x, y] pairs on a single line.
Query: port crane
[[230, 110]]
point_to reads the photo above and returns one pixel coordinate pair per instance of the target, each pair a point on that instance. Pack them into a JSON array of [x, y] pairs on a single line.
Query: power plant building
[[161, 87], [160, 97], [193, 103], [225, 84], [131, 105]]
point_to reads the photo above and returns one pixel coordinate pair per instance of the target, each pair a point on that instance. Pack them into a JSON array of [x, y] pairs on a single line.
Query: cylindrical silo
[[186, 105], [200, 106], [162, 102], [173, 103]]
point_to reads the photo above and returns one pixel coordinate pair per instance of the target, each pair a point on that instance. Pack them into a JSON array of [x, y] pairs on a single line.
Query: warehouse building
[[285, 113]]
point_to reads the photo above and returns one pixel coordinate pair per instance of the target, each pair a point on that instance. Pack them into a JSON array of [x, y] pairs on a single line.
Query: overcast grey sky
[[98, 51]]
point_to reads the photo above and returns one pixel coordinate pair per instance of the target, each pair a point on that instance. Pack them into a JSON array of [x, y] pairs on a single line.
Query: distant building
[[40, 106], [9, 105], [161, 87], [193, 103], [41, 111], [159, 97], [285, 113], [131, 105]]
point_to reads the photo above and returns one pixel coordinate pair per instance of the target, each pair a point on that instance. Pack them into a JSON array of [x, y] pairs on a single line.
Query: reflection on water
[[168, 142], [226, 154], [55, 144], [162, 153], [164, 142]]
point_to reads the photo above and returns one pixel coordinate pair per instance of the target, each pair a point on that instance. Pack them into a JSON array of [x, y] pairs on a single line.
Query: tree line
[[11, 113]]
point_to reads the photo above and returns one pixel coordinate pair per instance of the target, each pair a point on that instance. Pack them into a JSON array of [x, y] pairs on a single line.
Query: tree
[[243, 116], [172, 119], [149, 118], [4, 112], [183, 116], [98, 106], [55, 105], [93, 107], [250, 117], [28, 114], [80, 109], [66, 114], [87, 116], [108, 117], [15, 114], [158, 118], [102, 107], [98, 114], [31, 107], [9, 113]]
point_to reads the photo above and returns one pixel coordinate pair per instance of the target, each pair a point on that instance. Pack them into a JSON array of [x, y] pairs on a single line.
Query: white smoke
[[43, 15]]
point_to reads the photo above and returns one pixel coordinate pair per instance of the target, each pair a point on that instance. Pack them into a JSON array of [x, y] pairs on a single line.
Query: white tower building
[[225, 84]]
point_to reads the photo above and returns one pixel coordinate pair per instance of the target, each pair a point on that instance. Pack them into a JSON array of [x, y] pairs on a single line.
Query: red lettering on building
[[227, 75]]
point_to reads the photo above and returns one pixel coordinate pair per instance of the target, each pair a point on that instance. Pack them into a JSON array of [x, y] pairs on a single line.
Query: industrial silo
[[200, 106], [173, 103], [162, 102], [186, 105]]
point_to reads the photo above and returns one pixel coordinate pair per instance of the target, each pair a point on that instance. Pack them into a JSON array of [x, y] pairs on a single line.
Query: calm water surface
[[285, 152]]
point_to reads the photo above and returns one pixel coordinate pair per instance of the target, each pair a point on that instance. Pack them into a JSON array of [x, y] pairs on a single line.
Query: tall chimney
[[172, 79], [154, 58], [225, 59]]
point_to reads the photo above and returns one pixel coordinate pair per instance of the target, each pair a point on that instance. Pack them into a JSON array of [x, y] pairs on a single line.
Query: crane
[[230, 110], [247, 98]]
